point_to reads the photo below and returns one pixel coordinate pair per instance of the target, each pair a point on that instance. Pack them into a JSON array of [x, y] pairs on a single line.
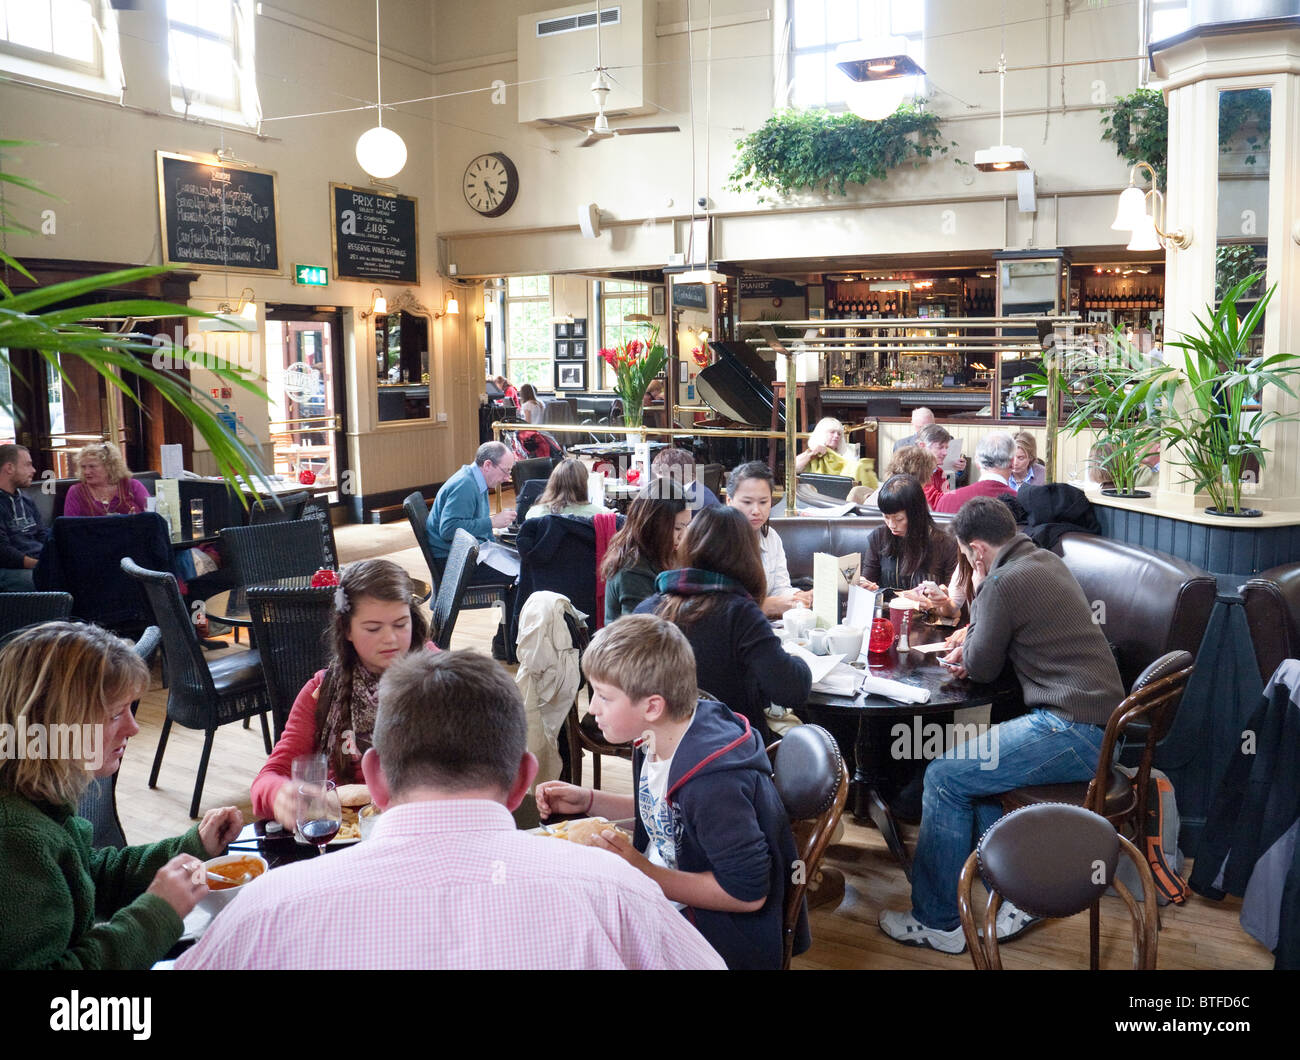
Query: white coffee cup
[[817, 642], [799, 620], [844, 640]]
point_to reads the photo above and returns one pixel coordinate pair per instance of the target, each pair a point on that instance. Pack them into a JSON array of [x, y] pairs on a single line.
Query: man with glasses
[[462, 503], [22, 537]]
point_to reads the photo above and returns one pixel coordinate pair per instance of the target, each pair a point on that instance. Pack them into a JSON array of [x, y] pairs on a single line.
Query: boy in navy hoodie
[[710, 827]]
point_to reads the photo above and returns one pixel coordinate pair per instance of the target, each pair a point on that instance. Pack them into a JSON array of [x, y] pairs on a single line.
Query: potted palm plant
[[1219, 431], [1120, 395]]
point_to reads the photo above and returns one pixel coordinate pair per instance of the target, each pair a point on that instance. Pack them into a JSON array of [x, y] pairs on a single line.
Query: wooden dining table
[[873, 718]]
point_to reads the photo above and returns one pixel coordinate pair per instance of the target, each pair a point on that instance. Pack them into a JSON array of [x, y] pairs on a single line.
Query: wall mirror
[[402, 361]]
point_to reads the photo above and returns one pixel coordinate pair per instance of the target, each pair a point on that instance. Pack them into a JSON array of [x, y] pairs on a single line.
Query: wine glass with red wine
[[319, 813]]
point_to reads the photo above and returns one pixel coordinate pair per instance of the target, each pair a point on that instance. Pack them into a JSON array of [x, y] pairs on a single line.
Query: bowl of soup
[[233, 872]]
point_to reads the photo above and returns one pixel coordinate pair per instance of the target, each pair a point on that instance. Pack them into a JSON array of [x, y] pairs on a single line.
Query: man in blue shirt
[[22, 537], [462, 503]]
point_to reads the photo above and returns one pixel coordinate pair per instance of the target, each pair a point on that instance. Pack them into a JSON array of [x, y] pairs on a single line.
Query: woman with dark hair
[[529, 407], [645, 546], [566, 493], [376, 621], [909, 549], [750, 492], [714, 600]]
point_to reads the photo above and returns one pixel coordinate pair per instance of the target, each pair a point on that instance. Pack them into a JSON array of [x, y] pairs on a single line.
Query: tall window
[[528, 331], [66, 42], [210, 48], [819, 27], [617, 300]]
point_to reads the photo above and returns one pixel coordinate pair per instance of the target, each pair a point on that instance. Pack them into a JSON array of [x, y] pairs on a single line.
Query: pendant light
[[1003, 157], [381, 152]]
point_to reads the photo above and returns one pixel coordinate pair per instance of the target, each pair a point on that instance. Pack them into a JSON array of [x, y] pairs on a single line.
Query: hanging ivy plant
[[1138, 125], [814, 150]]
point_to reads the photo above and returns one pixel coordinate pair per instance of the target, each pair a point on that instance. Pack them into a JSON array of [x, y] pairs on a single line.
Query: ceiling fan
[[600, 89]]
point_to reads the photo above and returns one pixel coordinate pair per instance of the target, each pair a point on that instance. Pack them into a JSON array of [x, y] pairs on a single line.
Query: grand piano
[[738, 386]]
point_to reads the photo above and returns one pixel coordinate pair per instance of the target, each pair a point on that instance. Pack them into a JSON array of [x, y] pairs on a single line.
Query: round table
[[231, 607], [875, 717]]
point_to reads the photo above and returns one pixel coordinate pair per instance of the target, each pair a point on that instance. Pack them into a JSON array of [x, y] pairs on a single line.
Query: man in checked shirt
[[445, 880]]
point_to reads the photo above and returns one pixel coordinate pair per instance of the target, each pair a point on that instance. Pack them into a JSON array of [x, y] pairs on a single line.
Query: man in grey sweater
[[1027, 609]]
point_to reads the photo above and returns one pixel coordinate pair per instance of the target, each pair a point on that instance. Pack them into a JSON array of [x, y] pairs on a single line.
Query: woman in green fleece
[[65, 716]]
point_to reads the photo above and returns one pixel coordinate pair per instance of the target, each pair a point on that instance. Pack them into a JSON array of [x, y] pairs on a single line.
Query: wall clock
[[491, 184]]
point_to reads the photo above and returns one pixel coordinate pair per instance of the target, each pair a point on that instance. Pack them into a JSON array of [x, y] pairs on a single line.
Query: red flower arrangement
[[635, 363]]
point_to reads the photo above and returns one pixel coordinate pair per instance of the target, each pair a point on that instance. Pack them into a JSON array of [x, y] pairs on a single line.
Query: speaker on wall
[[589, 220]]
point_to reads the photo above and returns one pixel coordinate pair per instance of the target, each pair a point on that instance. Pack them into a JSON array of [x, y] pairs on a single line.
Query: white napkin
[[895, 690], [819, 665], [841, 681]]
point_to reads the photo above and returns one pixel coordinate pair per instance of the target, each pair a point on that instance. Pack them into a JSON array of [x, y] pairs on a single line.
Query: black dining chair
[[268, 551], [200, 695], [474, 596], [461, 561], [290, 628], [98, 803], [265, 510], [18, 610], [318, 511]]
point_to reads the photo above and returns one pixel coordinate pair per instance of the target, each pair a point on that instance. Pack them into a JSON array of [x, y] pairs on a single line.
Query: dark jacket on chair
[[83, 558], [557, 553], [1249, 845], [728, 819]]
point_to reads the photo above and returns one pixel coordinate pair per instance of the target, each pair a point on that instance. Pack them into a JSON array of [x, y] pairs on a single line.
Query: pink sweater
[[131, 497], [298, 738]]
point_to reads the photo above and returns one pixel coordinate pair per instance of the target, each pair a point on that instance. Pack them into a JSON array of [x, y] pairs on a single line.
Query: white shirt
[[772, 552]]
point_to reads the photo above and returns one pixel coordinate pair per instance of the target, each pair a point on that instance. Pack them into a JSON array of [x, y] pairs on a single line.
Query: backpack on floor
[[1158, 841]]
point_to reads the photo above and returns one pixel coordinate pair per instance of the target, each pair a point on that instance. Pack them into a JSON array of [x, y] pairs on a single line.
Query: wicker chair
[[18, 610], [265, 510], [200, 695], [319, 511], [474, 596], [268, 551], [451, 593], [98, 803], [290, 629]]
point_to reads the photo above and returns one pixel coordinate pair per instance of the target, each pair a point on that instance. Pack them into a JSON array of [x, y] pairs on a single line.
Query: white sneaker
[[1013, 921], [905, 928]]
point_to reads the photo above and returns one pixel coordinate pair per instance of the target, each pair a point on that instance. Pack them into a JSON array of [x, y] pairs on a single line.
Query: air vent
[[609, 16]]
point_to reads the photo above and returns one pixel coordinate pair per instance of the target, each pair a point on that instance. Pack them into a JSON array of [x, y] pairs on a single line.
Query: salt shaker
[[903, 630]]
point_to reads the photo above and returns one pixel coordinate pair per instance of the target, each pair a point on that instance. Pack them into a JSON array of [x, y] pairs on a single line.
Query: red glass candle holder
[[633, 476], [324, 578], [882, 636]]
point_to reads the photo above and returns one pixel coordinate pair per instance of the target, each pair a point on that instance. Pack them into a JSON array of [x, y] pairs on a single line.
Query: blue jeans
[[1036, 748]]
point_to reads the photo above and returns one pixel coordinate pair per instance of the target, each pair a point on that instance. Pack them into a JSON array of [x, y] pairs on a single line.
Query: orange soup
[[232, 872]]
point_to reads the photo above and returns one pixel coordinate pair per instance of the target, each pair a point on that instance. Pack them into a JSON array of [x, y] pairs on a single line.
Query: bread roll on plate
[[586, 830], [353, 795]]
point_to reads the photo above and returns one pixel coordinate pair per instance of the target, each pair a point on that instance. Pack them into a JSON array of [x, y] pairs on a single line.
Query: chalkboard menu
[[218, 216], [373, 235]]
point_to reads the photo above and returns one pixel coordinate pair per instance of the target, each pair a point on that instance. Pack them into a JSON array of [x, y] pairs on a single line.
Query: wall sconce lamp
[[240, 317], [378, 304], [450, 309], [1147, 228]]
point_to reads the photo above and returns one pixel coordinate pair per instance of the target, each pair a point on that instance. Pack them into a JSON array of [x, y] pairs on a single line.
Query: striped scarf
[[691, 581]]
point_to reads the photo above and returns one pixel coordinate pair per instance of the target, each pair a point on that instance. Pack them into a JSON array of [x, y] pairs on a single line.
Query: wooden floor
[[1199, 935]]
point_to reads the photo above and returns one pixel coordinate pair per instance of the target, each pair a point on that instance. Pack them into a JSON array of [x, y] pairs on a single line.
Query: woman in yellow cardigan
[[65, 716], [829, 454]]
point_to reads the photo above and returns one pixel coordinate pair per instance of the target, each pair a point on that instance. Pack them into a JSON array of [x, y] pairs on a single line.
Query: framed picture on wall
[[571, 376], [580, 328], [657, 301], [579, 349], [563, 331], [562, 347], [683, 373]]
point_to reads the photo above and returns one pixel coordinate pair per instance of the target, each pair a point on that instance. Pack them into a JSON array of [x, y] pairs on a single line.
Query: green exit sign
[[311, 275]]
